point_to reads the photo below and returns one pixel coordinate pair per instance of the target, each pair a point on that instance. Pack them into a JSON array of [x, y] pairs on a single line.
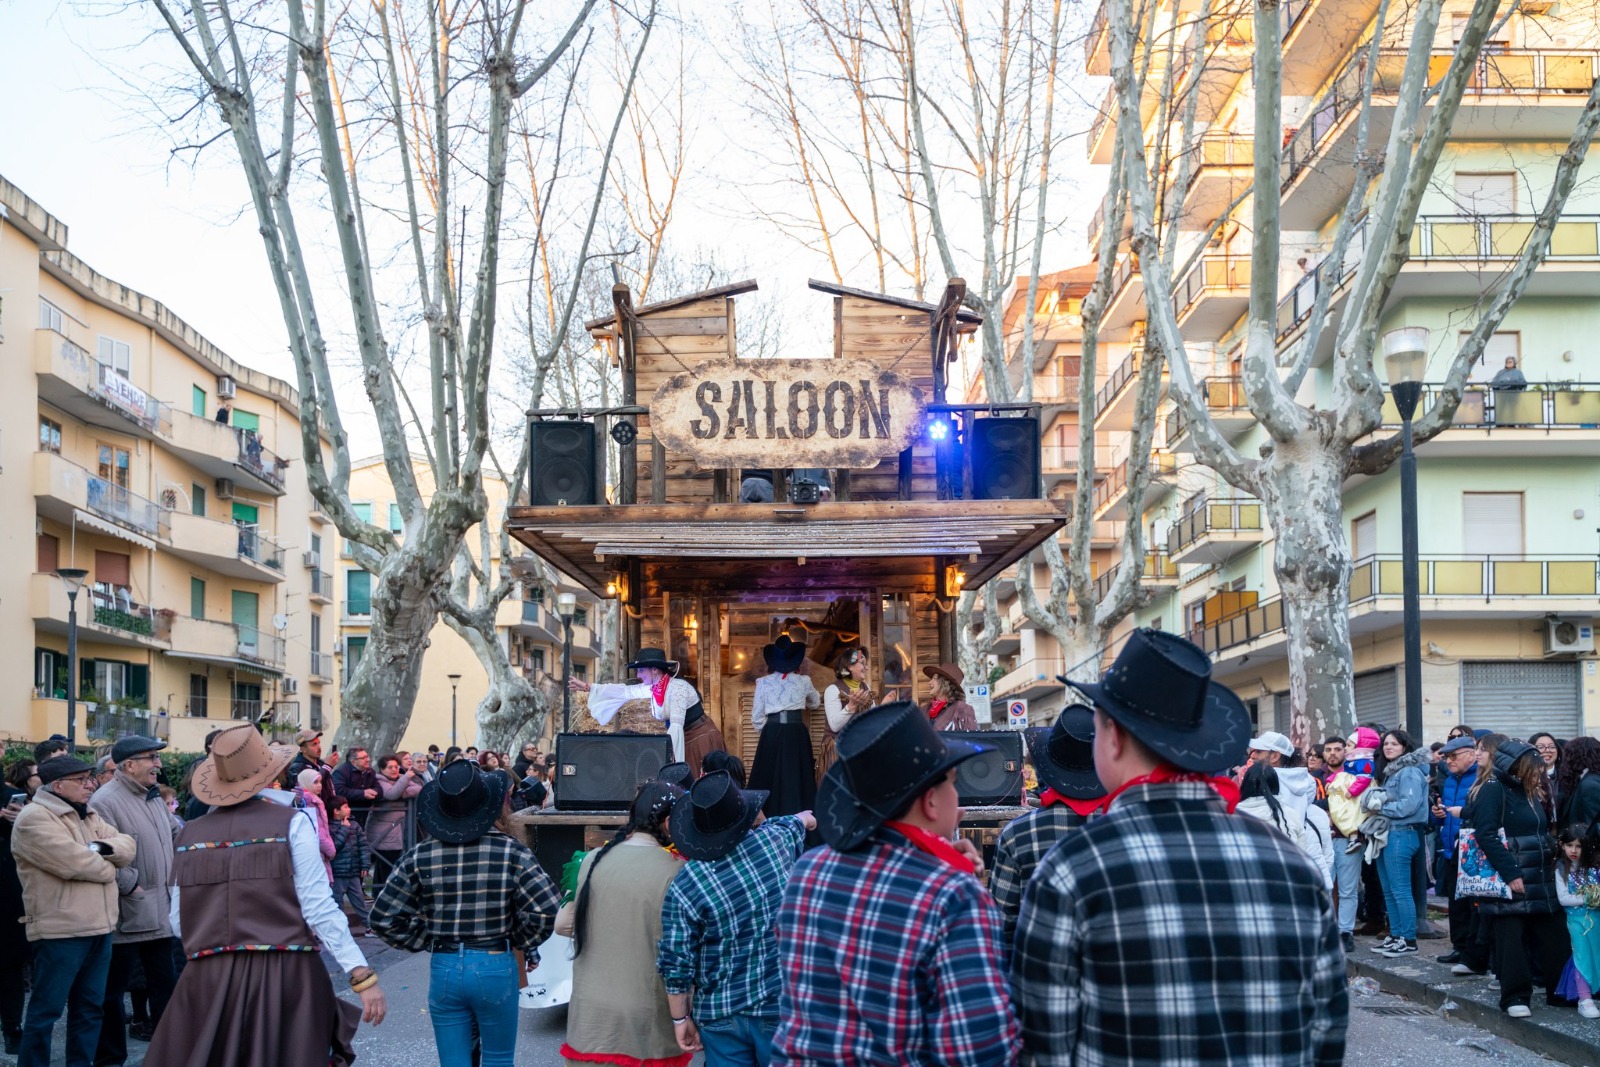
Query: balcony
[[211, 641], [1056, 386], [1058, 463], [223, 451], [103, 617], [107, 722], [1125, 306], [1216, 531], [1227, 406], [1221, 172], [1111, 495], [1294, 310], [1033, 678], [1117, 397], [1212, 296], [534, 620], [1160, 572], [321, 668], [1218, 53], [1317, 36], [226, 548], [1097, 46], [321, 587], [70, 494], [1500, 413], [73, 380]]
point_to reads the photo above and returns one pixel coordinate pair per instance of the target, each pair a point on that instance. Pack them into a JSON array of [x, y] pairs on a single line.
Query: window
[[1491, 524], [197, 499], [1364, 536], [1486, 194], [357, 592], [49, 435], [247, 420], [111, 679], [316, 713], [363, 511], [49, 673], [316, 545], [535, 660], [114, 465], [117, 355], [246, 701], [580, 617], [50, 317], [580, 671], [316, 633], [396, 523], [49, 553], [354, 649], [197, 598], [198, 685], [197, 401]]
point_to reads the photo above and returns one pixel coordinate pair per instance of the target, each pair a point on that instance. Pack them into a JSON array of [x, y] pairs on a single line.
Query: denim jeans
[[159, 975], [1347, 879], [738, 1041], [467, 987], [1394, 868], [348, 889], [69, 973]]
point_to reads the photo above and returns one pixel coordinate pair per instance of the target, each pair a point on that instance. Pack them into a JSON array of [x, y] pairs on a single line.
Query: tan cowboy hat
[[948, 671], [241, 765]]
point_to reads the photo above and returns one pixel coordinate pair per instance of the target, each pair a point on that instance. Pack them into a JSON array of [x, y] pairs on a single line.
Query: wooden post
[[658, 472], [602, 425], [841, 484], [780, 485], [906, 460], [628, 465], [968, 419], [942, 333], [719, 486]]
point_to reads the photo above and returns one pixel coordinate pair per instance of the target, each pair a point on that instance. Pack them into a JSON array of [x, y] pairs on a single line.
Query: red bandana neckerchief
[[937, 847], [935, 708], [658, 690], [1226, 788], [1082, 807]]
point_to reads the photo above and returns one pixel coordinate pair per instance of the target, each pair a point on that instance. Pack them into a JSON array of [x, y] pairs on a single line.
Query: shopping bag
[[1475, 875]]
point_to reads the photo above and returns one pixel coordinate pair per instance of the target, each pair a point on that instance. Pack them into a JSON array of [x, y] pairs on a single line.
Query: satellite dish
[[280, 622]]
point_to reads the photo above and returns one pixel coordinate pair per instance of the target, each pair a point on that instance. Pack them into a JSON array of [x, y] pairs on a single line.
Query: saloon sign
[[787, 413]]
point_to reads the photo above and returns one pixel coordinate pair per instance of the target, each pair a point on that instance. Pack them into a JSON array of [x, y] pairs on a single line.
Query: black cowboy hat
[[654, 657], [719, 815], [784, 655], [678, 774], [886, 756], [1063, 756], [1160, 690], [461, 805]]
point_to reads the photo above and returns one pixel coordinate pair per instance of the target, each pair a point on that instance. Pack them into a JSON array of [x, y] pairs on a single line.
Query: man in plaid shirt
[[1170, 930], [890, 946], [716, 921]]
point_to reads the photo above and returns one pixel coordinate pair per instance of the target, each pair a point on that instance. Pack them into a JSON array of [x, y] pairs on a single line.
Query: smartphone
[[335, 751]]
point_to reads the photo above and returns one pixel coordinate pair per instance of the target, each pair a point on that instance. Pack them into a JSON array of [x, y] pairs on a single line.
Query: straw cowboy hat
[[241, 764]]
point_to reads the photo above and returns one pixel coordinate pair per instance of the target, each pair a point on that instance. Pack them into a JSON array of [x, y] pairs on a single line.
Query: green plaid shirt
[[716, 924]]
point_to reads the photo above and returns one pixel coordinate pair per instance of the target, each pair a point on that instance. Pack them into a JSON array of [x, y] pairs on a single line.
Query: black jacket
[[1529, 852], [1583, 805]]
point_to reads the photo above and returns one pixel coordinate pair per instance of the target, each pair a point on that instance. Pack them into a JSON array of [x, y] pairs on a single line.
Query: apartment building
[[526, 623], [204, 601], [1509, 494]]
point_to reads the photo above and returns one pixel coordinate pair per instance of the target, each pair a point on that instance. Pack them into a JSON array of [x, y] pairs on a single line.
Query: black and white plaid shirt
[[487, 889], [1022, 844], [1169, 931]]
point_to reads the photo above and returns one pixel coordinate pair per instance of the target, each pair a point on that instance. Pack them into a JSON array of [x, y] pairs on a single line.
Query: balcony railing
[[258, 460], [118, 612], [110, 721], [1211, 273], [1490, 237], [1240, 515], [1223, 150], [260, 647], [1099, 32], [1116, 482], [322, 585], [1108, 111], [1547, 405], [1032, 673], [1059, 457], [111, 501], [321, 665], [195, 707], [1125, 372], [531, 610], [246, 710], [1220, 394], [1325, 117], [1158, 567], [254, 545], [1296, 308]]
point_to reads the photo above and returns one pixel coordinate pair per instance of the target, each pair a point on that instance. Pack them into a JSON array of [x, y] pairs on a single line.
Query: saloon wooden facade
[[712, 579]]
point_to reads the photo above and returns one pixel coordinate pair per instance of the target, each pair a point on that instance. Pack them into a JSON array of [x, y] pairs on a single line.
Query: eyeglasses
[[1546, 747], [147, 758]]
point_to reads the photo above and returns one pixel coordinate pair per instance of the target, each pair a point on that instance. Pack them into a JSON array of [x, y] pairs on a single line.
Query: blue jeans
[[348, 888], [69, 973], [470, 987], [738, 1041], [1394, 871], [1347, 879]]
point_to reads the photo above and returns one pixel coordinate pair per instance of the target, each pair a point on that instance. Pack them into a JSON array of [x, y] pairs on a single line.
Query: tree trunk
[[1302, 490], [386, 680]]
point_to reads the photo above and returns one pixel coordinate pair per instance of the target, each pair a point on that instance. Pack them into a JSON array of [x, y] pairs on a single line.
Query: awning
[[83, 518], [249, 666]]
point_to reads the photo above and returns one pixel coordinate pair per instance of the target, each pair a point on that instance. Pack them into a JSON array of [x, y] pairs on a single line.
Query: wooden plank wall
[[670, 342], [895, 338]]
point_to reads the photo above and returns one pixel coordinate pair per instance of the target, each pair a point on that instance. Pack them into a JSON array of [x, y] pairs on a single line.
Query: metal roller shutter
[[1378, 697], [1522, 697]]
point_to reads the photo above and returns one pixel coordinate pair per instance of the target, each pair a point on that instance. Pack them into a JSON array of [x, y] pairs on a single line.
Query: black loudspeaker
[[1005, 459], [560, 463], [990, 777], [602, 772]]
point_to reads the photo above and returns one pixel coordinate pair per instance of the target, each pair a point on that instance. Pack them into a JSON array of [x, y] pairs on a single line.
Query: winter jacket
[[351, 855], [304, 763], [139, 812], [352, 783], [1345, 789], [1453, 790], [1583, 806], [1405, 781], [1529, 852], [386, 826], [68, 889], [1297, 790], [1306, 826]]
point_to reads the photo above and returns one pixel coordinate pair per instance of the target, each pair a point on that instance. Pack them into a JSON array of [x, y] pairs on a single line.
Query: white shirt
[[607, 698], [782, 692], [834, 704], [311, 884]]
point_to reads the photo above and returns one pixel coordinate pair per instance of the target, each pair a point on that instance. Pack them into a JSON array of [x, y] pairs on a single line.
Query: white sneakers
[[1587, 1009], [1519, 1011], [1462, 968]]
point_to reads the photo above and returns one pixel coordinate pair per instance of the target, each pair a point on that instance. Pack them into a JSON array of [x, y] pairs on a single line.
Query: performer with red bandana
[[673, 700], [949, 709]]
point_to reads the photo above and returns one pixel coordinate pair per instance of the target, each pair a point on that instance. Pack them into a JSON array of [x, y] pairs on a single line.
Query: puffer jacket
[[1529, 852], [68, 889], [1405, 782], [1297, 791]]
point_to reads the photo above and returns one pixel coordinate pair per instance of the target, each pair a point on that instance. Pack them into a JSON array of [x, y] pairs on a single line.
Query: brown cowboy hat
[[241, 765], [948, 671]]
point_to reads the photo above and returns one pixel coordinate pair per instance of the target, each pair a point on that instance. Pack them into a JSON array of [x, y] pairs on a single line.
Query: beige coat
[[68, 890]]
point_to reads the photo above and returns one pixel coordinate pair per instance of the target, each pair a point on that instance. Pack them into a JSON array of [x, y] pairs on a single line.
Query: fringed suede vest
[[236, 874]]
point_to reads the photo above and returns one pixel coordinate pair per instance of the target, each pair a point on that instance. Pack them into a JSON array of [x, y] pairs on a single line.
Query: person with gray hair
[[105, 769]]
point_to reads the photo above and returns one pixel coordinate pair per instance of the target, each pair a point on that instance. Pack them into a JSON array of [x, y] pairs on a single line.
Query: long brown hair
[[1489, 743], [1528, 769], [1581, 755]]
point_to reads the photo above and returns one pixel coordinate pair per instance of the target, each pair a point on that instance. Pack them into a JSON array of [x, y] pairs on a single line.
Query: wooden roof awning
[[762, 548]]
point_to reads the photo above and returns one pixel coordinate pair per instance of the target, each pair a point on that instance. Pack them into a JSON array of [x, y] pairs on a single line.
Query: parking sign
[[1017, 714]]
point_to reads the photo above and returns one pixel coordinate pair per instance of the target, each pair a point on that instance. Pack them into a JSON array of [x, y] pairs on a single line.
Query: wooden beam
[[732, 289], [628, 462]]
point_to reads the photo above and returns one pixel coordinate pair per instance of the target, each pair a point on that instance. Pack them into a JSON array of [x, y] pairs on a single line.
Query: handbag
[[1475, 875]]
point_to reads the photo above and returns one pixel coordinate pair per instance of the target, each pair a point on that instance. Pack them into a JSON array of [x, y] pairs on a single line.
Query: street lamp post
[[566, 607], [74, 577], [1405, 359], [454, 679]]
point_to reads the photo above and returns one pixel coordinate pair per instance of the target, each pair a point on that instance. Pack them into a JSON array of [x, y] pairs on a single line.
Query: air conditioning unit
[[224, 488], [313, 560], [226, 387], [1565, 637], [291, 686]]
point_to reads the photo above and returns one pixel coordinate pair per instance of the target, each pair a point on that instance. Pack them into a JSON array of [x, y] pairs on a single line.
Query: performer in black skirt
[[784, 765]]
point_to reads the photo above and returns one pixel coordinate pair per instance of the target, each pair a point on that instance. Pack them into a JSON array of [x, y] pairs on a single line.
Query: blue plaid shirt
[[890, 957], [716, 924]]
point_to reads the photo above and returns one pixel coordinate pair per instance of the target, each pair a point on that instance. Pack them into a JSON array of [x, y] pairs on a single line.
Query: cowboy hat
[[886, 756], [1160, 690], [719, 816], [784, 655], [949, 672], [461, 805], [241, 764], [1063, 756], [654, 657]]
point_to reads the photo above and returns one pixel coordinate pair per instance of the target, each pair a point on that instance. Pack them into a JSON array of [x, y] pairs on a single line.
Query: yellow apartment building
[[207, 600], [526, 624]]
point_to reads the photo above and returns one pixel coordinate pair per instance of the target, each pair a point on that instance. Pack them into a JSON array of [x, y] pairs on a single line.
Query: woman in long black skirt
[[784, 764]]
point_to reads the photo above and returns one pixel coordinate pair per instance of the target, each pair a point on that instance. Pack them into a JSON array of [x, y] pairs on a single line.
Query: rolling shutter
[[1491, 524], [1378, 697], [1522, 697]]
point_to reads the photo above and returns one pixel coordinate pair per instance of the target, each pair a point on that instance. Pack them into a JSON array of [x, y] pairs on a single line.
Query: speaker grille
[[561, 464], [991, 777], [1005, 461], [602, 772]]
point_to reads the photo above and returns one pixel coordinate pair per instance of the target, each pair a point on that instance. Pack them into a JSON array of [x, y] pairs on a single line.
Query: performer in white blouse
[[673, 701], [784, 765], [843, 699]]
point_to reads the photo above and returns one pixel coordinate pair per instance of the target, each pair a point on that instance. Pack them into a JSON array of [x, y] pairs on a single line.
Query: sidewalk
[[1560, 1033]]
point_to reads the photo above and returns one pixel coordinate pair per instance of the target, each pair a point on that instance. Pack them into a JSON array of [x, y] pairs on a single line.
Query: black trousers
[[1520, 942], [160, 978], [1460, 909], [1372, 894], [14, 982]]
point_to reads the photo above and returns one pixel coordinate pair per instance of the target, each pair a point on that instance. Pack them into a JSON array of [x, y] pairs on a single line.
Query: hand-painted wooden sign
[[787, 413]]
